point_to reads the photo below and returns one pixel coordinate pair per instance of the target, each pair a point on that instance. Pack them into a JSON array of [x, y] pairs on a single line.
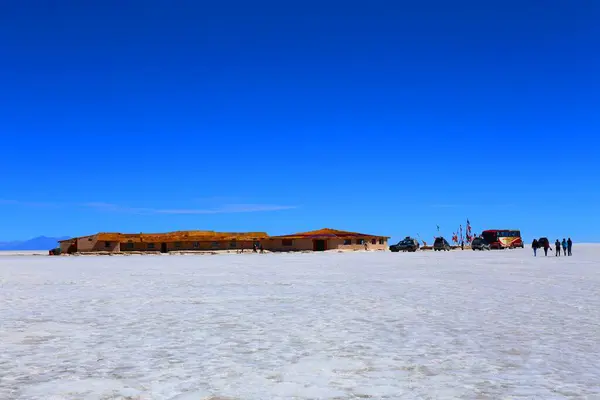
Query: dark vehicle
[[441, 244], [479, 244], [543, 242], [406, 244]]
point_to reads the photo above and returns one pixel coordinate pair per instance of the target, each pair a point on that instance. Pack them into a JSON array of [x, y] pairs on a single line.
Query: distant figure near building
[[569, 245], [564, 246], [557, 245]]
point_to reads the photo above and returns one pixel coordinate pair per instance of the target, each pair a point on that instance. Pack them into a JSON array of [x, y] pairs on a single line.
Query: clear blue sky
[[383, 117]]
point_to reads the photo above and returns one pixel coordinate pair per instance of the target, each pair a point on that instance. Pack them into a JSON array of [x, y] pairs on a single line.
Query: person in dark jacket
[[547, 247], [569, 245], [564, 246], [557, 245], [535, 245]]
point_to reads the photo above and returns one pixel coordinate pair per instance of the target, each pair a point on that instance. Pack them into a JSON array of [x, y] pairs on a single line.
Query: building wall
[[92, 244], [189, 245], [138, 246], [210, 245], [297, 245], [362, 246], [112, 247], [64, 247], [332, 244], [86, 244], [380, 244]]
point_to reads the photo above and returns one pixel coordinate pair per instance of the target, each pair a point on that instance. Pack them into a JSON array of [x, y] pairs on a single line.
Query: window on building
[[287, 242], [150, 246], [130, 245], [107, 244], [347, 242], [233, 244], [373, 241], [196, 245], [215, 245], [177, 244], [360, 241], [381, 241]]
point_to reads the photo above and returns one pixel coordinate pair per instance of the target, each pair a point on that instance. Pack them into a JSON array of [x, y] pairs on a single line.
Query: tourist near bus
[[547, 247], [543, 243]]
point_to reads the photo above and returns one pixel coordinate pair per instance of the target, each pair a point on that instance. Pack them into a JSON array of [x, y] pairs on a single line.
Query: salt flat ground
[[462, 324]]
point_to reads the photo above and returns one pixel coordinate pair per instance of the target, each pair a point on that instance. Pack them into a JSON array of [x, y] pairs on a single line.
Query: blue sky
[[382, 117]]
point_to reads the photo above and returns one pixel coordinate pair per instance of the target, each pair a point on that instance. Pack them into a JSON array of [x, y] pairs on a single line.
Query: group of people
[[255, 248], [566, 245]]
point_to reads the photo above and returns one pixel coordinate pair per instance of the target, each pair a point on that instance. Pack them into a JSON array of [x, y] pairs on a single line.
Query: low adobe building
[[326, 239], [162, 242], [319, 240]]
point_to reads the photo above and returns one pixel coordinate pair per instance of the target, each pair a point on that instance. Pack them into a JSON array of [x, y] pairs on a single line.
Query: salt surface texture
[[472, 325]]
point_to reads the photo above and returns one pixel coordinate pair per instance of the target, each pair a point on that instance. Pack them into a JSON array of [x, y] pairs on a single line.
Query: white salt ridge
[[464, 324]]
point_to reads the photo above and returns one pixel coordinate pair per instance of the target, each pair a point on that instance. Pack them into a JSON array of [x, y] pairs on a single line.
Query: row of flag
[[458, 237]]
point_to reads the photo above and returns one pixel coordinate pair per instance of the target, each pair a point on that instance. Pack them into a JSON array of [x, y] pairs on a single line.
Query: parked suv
[[479, 244], [441, 244], [406, 244]]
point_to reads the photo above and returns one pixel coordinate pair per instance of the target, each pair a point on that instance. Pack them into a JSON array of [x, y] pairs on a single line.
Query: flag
[[469, 235], [438, 228]]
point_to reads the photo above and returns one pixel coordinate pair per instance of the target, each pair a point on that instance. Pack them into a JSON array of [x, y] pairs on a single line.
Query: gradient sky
[[381, 117]]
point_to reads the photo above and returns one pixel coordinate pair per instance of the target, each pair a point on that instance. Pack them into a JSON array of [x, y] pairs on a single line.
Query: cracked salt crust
[[461, 324]]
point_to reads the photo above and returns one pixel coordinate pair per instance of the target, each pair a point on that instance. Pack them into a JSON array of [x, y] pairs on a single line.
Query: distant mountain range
[[38, 243]]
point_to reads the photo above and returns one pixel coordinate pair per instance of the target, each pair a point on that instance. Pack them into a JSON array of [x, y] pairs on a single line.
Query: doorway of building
[[163, 247], [319, 245]]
